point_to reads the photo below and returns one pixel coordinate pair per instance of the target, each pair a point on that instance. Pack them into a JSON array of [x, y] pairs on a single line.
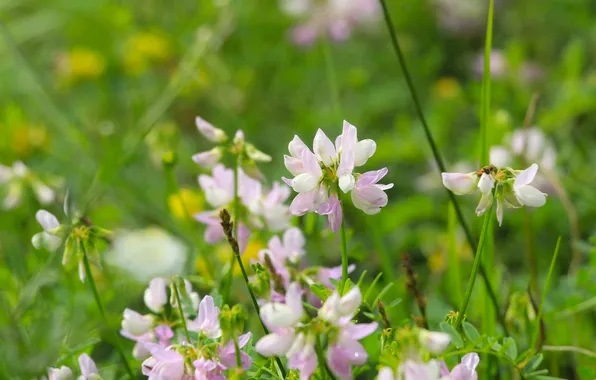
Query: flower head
[[321, 175], [511, 188], [207, 322], [16, 179]]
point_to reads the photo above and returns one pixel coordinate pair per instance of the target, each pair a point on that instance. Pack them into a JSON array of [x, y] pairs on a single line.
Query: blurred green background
[[94, 93]]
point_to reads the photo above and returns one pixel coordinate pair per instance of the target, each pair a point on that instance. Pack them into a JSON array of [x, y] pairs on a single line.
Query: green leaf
[[471, 333], [533, 363], [320, 291], [455, 337], [510, 348]]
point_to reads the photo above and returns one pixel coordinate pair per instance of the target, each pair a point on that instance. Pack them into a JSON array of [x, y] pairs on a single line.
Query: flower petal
[[303, 203], [525, 177], [274, 344], [372, 177], [304, 183], [293, 164], [296, 147], [209, 131], [324, 149], [486, 183], [47, 220], [364, 150], [485, 203], [460, 183], [346, 182], [530, 196]]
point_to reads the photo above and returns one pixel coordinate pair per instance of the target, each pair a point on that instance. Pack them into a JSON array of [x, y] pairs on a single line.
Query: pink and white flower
[[207, 322], [320, 175]]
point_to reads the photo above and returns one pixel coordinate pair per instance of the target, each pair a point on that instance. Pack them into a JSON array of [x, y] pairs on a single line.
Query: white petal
[[209, 131], [386, 373], [350, 302], [304, 183], [296, 146], [486, 183], [364, 150], [47, 220], [530, 196], [485, 202], [435, 342], [525, 177], [500, 211], [346, 182], [294, 165], [44, 194], [324, 149], [460, 183], [279, 315], [5, 174], [47, 241], [274, 344]]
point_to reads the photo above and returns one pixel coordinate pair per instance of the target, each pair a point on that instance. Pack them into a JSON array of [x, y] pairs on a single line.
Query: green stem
[[331, 78], [237, 349], [475, 266], [236, 250], [325, 371], [437, 156], [541, 308], [179, 306], [485, 125], [344, 251], [101, 310]]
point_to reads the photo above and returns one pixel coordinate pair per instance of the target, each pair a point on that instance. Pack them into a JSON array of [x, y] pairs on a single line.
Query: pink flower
[[212, 134], [369, 196], [88, 368], [227, 354], [319, 175], [466, 370], [207, 322], [207, 369], [163, 363], [155, 296], [281, 319], [209, 158]]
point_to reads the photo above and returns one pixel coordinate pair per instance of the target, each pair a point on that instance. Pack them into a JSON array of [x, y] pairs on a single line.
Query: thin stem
[[485, 125], [331, 78], [228, 227], [102, 311], [237, 349], [344, 251], [437, 156], [577, 350], [541, 308], [475, 266], [179, 306], [326, 372]]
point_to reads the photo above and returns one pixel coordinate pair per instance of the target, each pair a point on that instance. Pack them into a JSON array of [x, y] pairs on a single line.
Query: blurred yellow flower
[[184, 204], [447, 88], [221, 254], [28, 138], [143, 48], [437, 259], [80, 63]]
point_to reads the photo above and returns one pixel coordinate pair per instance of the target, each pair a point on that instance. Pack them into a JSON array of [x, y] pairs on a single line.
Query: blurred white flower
[[16, 179], [147, 253]]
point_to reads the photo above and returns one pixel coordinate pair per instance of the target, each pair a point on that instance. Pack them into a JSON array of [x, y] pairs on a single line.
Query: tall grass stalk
[[475, 267], [437, 157], [99, 304], [546, 284]]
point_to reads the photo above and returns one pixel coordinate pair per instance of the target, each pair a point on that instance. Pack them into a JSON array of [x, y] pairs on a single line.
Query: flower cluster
[[167, 354], [319, 176], [337, 18], [295, 338], [86, 364], [282, 258], [78, 236], [259, 207], [17, 179], [511, 188], [405, 348]]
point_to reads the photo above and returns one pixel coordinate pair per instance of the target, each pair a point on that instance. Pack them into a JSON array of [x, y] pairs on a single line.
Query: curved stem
[[227, 226], [475, 266], [437, 157], [179, 305], [237, 349], [344, 251], [102, 311]]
